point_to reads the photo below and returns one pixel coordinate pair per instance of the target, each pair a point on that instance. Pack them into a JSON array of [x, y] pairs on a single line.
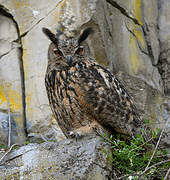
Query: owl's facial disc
[[78, 51], [67, 49]]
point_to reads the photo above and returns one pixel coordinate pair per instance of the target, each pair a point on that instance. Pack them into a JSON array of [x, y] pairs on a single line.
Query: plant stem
[[153, 154], [7, 152], [167, 174], [153, 166], [9, 114]]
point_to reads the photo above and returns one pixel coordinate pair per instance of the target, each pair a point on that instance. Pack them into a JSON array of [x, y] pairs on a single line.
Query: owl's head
[[67, 49]]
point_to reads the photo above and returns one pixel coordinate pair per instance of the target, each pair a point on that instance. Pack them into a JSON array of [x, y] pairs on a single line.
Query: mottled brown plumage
[[82, 94]]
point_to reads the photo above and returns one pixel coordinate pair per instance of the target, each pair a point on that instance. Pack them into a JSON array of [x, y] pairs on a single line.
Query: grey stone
[[166, 113], [118, 43], [4, 129], [147, 99], [151, 104], [10, 77], [139, 53], [68, 159], [35, 45], [164, 36], [150, 13]]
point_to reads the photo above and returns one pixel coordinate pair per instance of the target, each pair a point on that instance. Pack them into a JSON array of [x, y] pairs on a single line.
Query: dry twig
[[153, 166], [146, 170], [10, 149], [9, 114], [167, 174], [153, 154]]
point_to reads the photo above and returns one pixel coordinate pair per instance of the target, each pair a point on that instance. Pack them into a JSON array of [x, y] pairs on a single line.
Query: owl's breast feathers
[[87, 92]]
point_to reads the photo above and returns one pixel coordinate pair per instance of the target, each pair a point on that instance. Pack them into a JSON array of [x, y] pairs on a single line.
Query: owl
[[83, 95]]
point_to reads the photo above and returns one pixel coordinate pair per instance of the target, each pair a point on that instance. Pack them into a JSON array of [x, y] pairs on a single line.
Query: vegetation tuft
[[130, 158]]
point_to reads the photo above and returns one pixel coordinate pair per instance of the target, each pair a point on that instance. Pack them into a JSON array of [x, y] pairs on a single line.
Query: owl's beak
[[69, 60]]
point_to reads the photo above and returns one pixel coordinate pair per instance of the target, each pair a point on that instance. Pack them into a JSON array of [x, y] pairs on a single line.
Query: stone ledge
[[66, 160]]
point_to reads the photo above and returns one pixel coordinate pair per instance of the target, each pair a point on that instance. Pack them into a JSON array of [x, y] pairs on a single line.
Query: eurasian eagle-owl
[[83, 95]]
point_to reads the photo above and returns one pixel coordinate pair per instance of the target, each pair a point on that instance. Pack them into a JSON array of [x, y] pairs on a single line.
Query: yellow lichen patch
[[150, 10], [60, 9], [140, 38], [155, 108], [19, 121], [28, 100], [137, 10], [105, 63], [101, 59], [136, 63], [15, 98], [158, 104], [20, 3]]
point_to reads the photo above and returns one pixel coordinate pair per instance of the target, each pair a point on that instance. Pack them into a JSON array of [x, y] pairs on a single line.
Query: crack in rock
[[123, 11], [14, 45], [141, 49], [18, 45], [34, 25], [145, 30], [144, 27]]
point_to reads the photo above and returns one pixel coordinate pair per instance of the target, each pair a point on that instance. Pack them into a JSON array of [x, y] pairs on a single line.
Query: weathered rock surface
[[11, 92], [131, 36], [38, 114], [152, 105], [4, 129], [68, 159], [164, 36]]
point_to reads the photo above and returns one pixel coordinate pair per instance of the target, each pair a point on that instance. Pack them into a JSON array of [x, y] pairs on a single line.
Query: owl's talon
[[75, 135], [71, 133]]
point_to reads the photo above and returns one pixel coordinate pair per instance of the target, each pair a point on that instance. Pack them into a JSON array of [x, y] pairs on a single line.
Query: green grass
[[131, 156]]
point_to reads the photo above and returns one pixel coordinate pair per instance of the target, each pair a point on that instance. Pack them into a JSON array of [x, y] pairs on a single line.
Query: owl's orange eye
[[57, 52], [79, 51]]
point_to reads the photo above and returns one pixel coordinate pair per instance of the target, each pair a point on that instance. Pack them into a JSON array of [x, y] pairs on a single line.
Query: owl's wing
[[108, 99]]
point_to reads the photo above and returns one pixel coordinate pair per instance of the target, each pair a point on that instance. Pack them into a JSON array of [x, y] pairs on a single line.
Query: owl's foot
[[75, 135], [80, 132], [84, 130]]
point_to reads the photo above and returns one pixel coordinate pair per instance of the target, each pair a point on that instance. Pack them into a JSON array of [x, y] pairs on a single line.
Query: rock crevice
[[7, 21]]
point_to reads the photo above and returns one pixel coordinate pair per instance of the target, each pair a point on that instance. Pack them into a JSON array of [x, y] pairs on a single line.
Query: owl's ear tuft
[[50, 35], [85, 34]]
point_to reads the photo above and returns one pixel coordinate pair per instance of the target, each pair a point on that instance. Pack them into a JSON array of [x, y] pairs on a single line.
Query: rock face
[[4, 129], [164, 36], [67, 160], [132, 39], [11, 80], [130, 36]]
